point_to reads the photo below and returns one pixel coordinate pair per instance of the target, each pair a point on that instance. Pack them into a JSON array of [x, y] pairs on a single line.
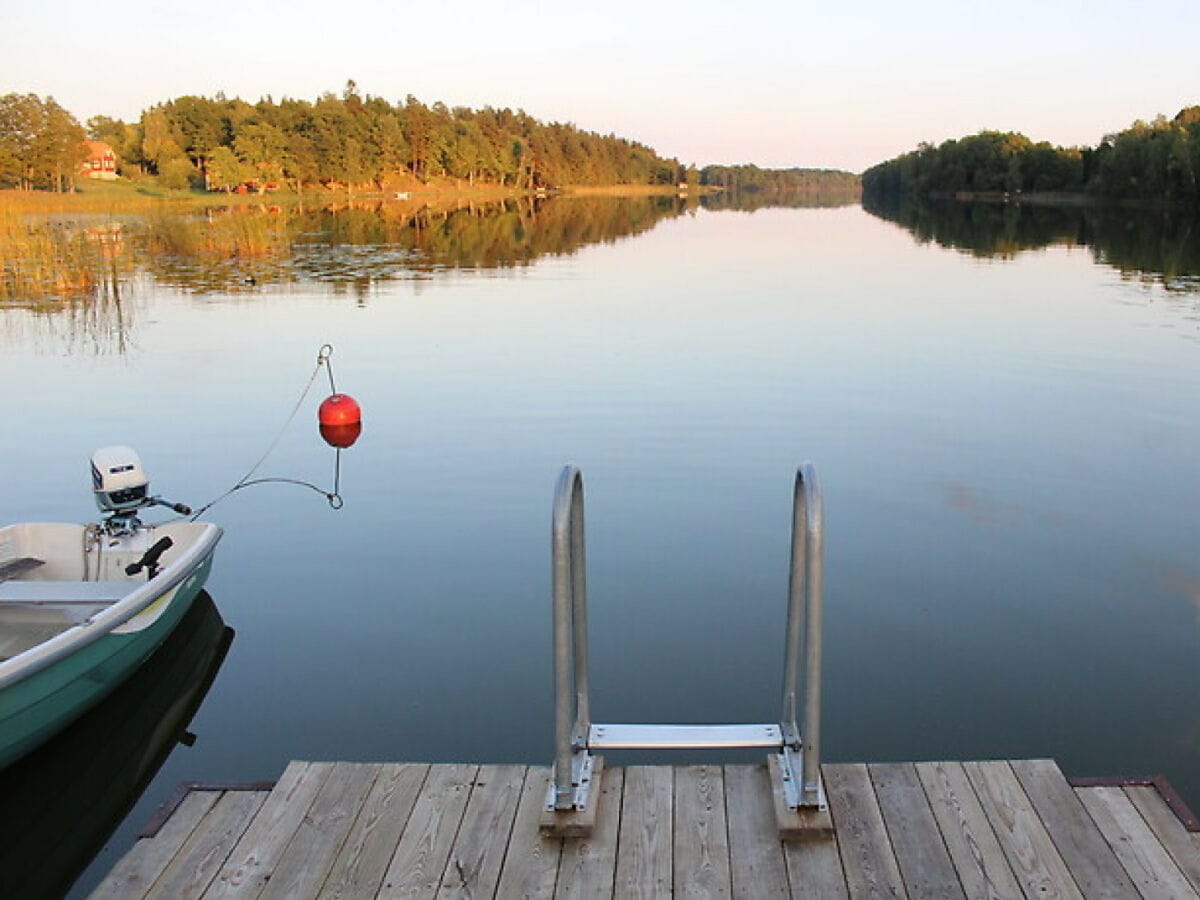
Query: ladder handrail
[[805, 600], [571, 719], [572, 714]]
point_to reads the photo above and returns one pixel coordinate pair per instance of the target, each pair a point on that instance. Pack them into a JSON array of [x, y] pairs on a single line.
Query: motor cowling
[[119, 482]]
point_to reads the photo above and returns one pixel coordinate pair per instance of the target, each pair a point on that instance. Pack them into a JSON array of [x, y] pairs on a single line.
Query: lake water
[[1003, 407]]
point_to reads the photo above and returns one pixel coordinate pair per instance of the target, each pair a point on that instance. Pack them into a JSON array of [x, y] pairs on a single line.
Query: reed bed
[[71, 256], [232, 233], [45, 260]]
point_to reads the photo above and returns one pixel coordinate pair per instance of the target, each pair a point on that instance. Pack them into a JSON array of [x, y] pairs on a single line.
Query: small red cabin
[[101, 161]]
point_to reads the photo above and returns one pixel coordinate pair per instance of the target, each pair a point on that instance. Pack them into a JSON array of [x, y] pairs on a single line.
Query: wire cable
[[323, 359]]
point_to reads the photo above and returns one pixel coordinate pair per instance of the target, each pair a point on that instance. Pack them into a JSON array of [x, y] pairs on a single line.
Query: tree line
[[1158, 161], [750, 179], [351, 139]]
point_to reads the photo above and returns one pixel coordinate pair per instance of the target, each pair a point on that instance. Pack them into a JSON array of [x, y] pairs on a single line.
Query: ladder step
[[683, 737]]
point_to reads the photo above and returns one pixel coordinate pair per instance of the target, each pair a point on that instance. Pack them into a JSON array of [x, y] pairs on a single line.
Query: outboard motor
[[121, 488], [119, 483]]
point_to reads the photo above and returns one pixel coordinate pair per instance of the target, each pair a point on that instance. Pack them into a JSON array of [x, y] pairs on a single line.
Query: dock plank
[[814, 869], [256, 854], [531, 863], [473, 869], [137, 870], [420, 858], [206, 849], [314, 846], [992, 830], [1087, 854], [916, 839], [588, 865], [867, 857], [1024, 839], [645, 842], [701, 841], [756, 862], [1139, 850], [979, 861], [1183, 845], [362, 863]]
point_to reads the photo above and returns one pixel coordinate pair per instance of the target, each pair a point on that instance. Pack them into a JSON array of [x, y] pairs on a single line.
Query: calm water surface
[[1007, 446]]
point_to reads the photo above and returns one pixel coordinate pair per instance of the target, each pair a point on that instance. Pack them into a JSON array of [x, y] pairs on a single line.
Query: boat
[[82, 606], [61, 805]]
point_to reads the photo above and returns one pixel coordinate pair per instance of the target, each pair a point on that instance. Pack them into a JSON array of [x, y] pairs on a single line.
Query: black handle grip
[[149, 559], [182, 508]]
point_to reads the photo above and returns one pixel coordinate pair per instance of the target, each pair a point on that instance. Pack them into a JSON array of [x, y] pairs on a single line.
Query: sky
[[830, 84]]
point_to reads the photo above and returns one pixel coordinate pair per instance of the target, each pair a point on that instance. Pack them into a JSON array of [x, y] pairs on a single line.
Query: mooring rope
[[335, 501]]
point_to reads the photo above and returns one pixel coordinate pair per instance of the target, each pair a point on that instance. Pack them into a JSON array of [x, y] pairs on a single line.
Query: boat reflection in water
[[60, 804]]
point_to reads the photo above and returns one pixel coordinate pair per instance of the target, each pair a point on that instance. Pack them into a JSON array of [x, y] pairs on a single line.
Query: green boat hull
[[36, 708]]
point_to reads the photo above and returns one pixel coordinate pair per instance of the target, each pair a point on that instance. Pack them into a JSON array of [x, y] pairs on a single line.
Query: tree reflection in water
[[1161, 246], [82, 276]]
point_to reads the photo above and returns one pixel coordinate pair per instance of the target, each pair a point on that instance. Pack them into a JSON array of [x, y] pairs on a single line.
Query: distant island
[[1155, 162], [350, 142]]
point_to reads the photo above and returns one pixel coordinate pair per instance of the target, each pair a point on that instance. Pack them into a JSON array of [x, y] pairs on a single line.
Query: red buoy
[[341, 436], [339, 409]]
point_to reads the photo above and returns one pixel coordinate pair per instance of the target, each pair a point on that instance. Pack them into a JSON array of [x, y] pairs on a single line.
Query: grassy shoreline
[[144, 194]]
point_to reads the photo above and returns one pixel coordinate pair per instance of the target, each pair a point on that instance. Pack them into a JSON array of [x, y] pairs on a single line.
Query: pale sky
[[831, 84]]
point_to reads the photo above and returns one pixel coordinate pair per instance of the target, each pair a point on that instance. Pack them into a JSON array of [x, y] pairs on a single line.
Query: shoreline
[[1078, 199], [138, 195]]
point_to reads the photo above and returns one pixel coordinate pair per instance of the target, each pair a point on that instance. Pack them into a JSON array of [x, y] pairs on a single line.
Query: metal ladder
[[796, 754]]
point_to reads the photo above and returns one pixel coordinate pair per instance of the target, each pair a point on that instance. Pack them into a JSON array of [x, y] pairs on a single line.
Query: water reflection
[[81, 277], [59, 805], [88, 268], [47, 264], [1181, 582], [54, 264], [982, 509], [749, 201], [1161, 246]]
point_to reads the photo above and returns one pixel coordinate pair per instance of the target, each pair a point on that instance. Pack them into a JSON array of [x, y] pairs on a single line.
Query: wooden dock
[[971, 830]]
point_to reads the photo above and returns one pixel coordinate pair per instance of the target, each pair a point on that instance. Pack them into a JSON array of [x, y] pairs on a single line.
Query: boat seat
[[14, 568], [64, 591]]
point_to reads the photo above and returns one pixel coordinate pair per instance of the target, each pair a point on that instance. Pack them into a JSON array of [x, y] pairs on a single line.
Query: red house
[[101, 162]]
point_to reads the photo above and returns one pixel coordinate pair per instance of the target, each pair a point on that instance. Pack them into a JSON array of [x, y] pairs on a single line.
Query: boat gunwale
[[75, 638]]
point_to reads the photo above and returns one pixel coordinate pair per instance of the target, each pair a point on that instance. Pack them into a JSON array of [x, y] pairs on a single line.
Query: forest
[[750, 179], [348, 140], [1157, 162], [351, 141]]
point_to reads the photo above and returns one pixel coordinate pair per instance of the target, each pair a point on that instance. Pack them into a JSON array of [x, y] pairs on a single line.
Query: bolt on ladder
[[799, 796]]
